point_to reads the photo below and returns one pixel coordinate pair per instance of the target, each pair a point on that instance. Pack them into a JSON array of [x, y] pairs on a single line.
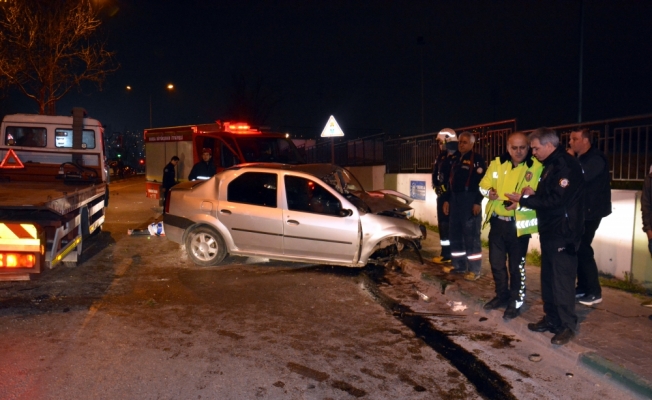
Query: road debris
[[457, 305], [534, 357], [423, 296]]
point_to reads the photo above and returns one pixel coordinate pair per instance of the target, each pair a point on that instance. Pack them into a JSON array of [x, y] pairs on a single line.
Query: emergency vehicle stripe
[[17, 231]]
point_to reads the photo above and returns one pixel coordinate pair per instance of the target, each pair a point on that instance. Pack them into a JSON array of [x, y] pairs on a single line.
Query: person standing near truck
[[169, 177], [204, 169]]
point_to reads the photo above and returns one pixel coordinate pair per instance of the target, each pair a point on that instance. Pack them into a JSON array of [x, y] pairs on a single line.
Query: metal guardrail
[[627, 143], [357, 152]]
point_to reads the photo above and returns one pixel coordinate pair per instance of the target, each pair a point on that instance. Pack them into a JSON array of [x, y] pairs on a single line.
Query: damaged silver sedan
[[315, 213]]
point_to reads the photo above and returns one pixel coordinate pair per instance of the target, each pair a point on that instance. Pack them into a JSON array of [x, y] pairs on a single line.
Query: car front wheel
[[205, 247]]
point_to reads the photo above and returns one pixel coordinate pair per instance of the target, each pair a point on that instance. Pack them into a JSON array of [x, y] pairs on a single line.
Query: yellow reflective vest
[[505, 178]]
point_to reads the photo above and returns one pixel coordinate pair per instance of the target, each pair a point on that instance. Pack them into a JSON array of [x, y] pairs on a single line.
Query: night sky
[[361, 61]]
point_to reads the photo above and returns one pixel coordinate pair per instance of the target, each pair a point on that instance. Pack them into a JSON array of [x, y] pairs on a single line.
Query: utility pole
[[421, 43], [579, 109]]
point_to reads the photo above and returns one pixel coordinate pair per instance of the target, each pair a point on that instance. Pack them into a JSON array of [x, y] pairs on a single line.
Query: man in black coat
[[559, 203], [169, 177], [204, 169], [597, 201]]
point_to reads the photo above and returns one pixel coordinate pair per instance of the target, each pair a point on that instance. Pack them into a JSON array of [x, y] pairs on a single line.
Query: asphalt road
[[136, 319]]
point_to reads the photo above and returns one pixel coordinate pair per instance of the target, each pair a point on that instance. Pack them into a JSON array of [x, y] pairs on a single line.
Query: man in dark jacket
[[597, 202], [559, 203], [463, 202], [204, 169], [169, 177], [440, 183]]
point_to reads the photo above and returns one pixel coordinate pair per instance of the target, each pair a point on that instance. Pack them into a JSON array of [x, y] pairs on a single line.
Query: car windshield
[[269, 149], [343, 181]]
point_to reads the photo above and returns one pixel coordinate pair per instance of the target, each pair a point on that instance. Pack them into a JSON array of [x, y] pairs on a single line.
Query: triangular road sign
[[332, 129], [15, 164]]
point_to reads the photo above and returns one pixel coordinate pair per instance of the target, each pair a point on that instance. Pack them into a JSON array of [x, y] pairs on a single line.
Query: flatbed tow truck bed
[[55, 196]]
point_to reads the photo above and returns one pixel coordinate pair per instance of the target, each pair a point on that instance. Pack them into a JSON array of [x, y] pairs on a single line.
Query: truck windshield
[[269, 149]]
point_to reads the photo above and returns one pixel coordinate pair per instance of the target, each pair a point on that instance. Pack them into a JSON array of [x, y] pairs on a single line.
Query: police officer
[[204, 169], [447, 139], [169, 177], [511, 228], [559, 203], [597, 201], [463, 203]]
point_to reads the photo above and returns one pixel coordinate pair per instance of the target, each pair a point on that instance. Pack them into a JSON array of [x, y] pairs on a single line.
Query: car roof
[[316, 170]]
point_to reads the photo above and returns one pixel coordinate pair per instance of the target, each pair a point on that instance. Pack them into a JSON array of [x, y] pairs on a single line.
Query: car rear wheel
[[205, 247]]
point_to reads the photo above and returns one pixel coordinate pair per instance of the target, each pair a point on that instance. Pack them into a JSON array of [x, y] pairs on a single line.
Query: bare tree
[[49, 47]]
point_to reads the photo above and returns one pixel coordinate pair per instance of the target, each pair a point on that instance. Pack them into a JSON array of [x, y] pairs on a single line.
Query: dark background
[[361, 61]]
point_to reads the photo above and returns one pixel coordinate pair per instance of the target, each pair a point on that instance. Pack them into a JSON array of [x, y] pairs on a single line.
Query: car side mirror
[[346, 212]]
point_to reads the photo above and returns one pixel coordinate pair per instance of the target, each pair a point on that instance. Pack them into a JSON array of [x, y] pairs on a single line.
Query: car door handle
[[293, 222], [225, 212]]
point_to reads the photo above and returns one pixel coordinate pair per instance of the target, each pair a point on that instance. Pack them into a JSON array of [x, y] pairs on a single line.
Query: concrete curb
[[573, 352], [630, 380]]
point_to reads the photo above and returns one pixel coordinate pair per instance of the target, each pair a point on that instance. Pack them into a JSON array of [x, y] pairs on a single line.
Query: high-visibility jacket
[[504, 178]]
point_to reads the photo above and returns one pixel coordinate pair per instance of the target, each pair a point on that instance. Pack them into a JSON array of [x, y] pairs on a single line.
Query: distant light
[[287, 135], [170, 86], [128, 87]]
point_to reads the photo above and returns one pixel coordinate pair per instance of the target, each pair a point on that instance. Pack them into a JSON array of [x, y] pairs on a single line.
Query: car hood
[[382, 201]]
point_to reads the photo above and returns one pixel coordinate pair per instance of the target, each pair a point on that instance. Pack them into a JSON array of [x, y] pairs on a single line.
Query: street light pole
[[169, 87], [150, 110], [421, 43]]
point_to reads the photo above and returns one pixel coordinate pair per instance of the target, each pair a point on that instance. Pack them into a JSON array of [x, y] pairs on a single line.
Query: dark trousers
[[466, 249], [558, 272], [587, 270], [507, 258], [444, 227]]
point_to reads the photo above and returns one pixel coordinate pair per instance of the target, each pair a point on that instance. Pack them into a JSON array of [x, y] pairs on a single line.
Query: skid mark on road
[[488, 383]]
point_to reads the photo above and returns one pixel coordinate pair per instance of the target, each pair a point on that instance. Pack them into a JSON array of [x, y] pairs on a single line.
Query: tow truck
[[53, 190], [231, 143]]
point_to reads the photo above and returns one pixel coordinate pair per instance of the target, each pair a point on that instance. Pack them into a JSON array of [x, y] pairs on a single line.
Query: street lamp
[[169, 87]]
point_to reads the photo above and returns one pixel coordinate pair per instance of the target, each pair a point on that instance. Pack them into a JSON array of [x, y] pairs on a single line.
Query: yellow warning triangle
[[15, 164]]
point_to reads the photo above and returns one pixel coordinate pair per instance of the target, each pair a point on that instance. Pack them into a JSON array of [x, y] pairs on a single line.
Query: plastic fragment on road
[[456, 305], [154, 229], [423, 296], [534, 357]]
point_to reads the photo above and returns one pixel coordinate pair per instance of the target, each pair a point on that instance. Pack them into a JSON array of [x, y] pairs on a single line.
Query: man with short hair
[[597, 202], [204, 169], [463, 202], [511, 227], [169, 178], [559, 203]]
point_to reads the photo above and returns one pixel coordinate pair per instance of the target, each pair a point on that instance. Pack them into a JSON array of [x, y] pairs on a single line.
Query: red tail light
[[17, 260]]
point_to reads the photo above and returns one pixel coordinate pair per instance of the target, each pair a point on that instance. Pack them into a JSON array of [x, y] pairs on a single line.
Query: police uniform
[[440, 177], [169, 179], [204, 169], [595, 167], [466, 249], [511, 230], [559, 204]]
